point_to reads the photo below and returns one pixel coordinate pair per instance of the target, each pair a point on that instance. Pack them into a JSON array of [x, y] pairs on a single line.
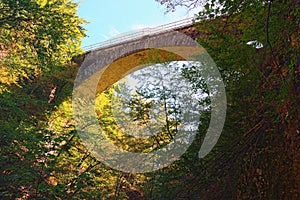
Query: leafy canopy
[[37, 35]]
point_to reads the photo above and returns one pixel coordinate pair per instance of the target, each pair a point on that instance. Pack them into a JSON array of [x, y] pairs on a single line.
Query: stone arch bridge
[[115, 58]]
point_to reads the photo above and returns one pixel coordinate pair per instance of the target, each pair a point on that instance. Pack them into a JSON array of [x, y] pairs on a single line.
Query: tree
[[262, 83], [38, 40], [160, 102], [172, 4], [37, 35]]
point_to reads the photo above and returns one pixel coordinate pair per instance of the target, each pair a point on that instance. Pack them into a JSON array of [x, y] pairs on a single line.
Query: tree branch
[[267, 32]]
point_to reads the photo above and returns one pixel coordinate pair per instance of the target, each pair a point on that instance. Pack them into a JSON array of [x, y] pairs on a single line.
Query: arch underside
[[132, 62]]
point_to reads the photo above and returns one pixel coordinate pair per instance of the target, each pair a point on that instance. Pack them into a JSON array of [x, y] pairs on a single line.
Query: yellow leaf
[[42, 3]]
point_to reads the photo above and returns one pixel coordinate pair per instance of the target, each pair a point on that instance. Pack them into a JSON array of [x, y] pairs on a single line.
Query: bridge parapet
[[134, 35]]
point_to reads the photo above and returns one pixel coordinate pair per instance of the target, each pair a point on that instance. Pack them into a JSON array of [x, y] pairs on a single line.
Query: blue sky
[[108, 18]]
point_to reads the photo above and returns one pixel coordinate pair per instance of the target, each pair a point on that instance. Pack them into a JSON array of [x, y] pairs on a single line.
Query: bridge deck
[[134, 35]]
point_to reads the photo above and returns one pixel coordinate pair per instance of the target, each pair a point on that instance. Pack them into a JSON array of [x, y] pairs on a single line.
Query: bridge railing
[[133, 35]]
